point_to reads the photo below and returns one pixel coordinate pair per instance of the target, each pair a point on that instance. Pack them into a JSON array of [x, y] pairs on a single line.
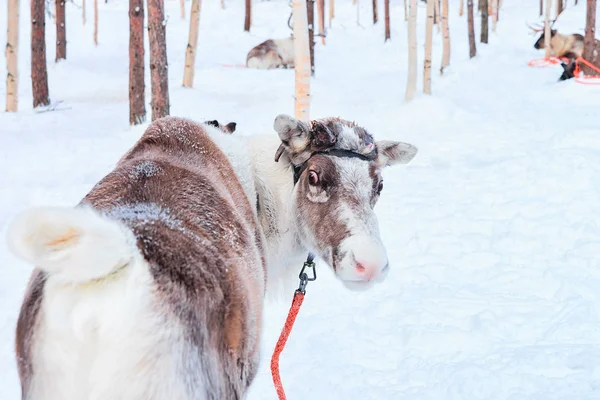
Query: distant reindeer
[[152, 287], [229, 128], [272, 53]]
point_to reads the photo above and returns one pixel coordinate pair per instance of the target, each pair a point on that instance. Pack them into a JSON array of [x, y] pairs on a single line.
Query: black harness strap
[[336, 153]]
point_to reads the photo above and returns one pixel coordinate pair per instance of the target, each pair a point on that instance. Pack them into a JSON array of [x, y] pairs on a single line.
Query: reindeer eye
[[313, 178], [380, 187]]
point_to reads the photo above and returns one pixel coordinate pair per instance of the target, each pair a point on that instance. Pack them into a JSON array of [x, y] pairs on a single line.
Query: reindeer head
[[337, 173], [541, 42], [229, 128]]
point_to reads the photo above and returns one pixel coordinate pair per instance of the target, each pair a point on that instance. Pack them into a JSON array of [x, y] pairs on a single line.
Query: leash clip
[[304, 278]]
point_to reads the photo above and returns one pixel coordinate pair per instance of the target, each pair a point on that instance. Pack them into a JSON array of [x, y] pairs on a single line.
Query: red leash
[[289, 324]]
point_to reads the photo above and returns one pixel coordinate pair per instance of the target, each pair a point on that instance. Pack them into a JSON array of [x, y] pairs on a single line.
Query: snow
[[493, 231]]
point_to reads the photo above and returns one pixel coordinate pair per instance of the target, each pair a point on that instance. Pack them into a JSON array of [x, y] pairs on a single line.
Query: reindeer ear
[[295, 138], [230, 127], [390, 153]]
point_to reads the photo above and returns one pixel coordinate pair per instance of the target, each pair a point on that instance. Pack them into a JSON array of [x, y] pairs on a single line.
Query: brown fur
[[561, 44], [201, 245]]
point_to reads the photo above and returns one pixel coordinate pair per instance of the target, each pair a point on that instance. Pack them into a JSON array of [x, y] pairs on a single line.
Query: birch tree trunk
[[484, 21], [428, 45], [559, 7], [159, 75], [137, 87], [331, 11], [494, 14], [190, 53], [591, 53], [302, 65], [547, 36], [12, 51], [436, 14], [96, 22], [83, 16], [39, 71], [374, 12], [61, 31], [461, 9], [411, 84], [386, 6], [321, 14], [471, 26], [182, 7], [248, 19], [310, 12], [446, 35]]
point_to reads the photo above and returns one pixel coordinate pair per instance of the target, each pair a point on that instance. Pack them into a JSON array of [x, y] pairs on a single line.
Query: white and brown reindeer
[[153, 286], [271, 54]]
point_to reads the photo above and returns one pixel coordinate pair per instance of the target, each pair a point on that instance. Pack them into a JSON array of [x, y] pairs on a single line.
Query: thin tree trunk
[[321, 12], [484, 21], [310, 12], [248, 19], [428, 45], [137, 87], [222, 4], [83, 16], [461, 9], [190, 53], [302, 64], [357, 13], [374, 12], [182, 8], [411, 84], [541, 7], [559, 7], [494, 14], [159, 75], [590, 52], [12, 51], [446, 35], [405, 11], [61, 31], [547, 35], [386, 6], [436, 14], [331, 11], [39, 71], [96, 22], [471, 26]]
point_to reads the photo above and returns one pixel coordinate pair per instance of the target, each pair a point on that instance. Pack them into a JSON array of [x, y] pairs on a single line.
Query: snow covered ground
[[493, 231]]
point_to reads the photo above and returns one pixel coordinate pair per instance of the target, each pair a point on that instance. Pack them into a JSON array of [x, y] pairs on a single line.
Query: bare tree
[[310, 12], [405, 10], [83, 17], [12, 51], [494, 14], [137, 102], [159, 76], [461, 9], [190, 53], [248, 19], [182, 7], [374, 12], [386, 6], [446, 35], [61, 31], [547, 35], [428, 45], [484, 21], [321, 13], [541, 7], [471, 27], [39, 71], [591, 53], [411, 85], [559, 7], [302, 66], [331, 11], [223, 4], [96, 22]]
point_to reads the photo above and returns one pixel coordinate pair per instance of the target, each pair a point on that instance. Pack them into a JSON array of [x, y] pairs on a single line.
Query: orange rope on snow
[[585, 80], [545, 62], [285, 333]]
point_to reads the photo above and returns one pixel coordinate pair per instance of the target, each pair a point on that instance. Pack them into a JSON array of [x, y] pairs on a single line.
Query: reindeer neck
[[274, 186]]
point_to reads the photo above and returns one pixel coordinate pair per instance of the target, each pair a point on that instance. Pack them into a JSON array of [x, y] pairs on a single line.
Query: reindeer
[[272, 53], [229, 128], [152, 287]]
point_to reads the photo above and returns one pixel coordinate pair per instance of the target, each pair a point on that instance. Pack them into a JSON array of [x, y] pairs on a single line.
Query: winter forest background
[[493, 231]]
